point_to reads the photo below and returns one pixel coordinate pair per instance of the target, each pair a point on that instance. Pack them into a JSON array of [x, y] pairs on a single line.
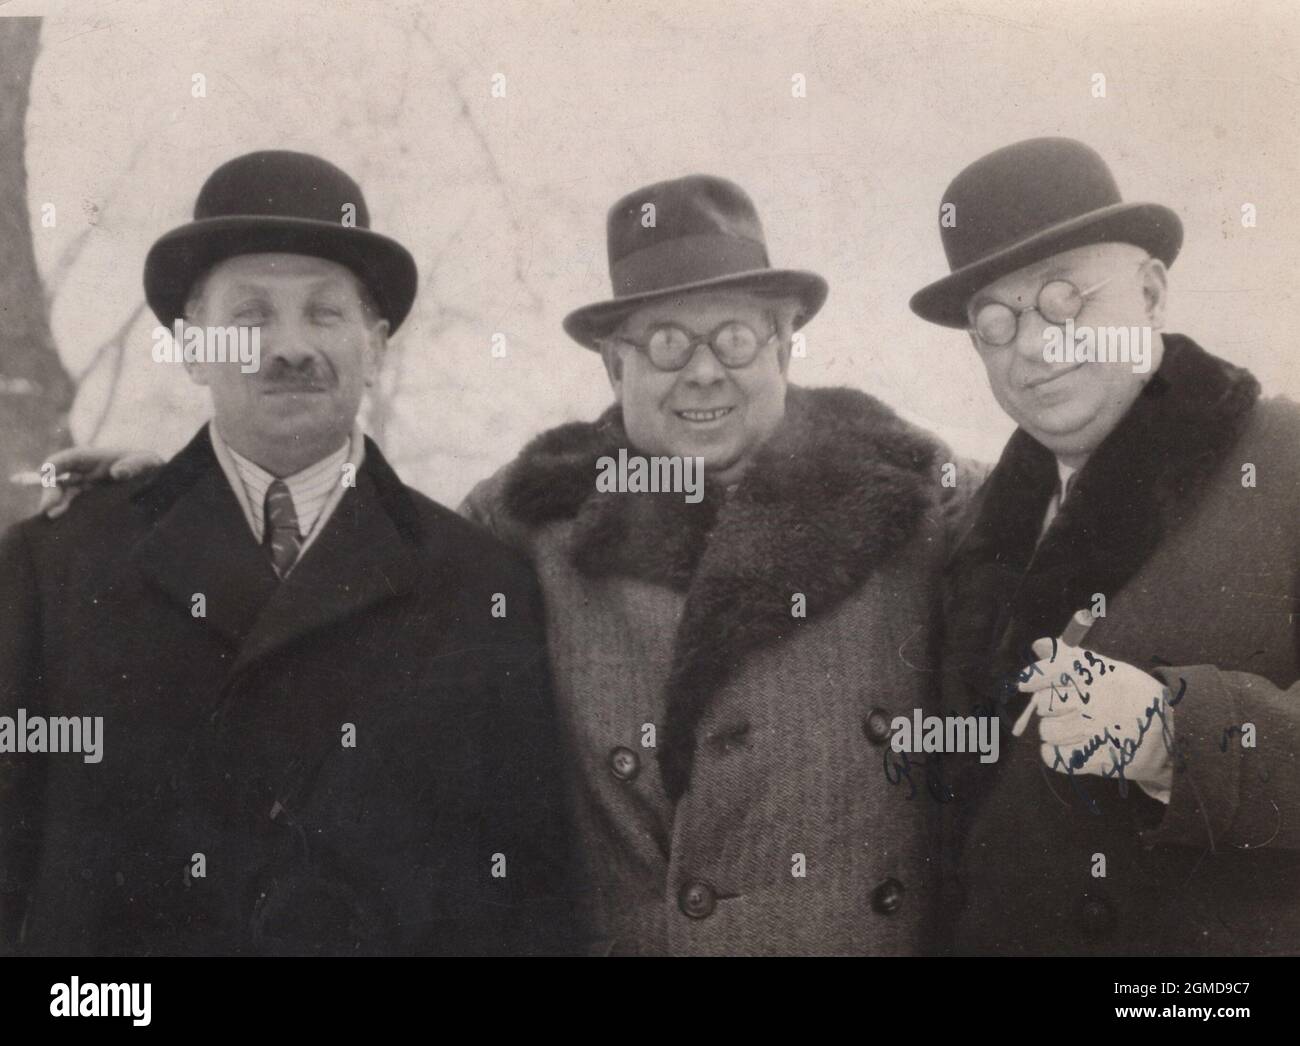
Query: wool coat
[[357, 753], [1187, 521], [726, 674]]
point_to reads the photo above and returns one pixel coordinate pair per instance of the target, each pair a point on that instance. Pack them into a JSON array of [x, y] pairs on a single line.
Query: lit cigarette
[[35, 479]]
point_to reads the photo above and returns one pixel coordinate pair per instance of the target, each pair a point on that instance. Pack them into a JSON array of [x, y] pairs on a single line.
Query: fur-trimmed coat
[[729, 756], [1187, 520]]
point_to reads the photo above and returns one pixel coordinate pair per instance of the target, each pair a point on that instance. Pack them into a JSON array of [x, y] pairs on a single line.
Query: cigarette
[[35, 479], [1077, 628], [1026, 715]]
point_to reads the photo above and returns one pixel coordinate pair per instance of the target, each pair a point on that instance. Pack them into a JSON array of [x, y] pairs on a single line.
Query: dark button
[[697, 899], [86, 873], [887, 897], [624, 763], [877, 726], [1097, 917]]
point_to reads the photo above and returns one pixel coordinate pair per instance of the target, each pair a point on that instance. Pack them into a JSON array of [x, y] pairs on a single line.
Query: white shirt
[[316, 490]]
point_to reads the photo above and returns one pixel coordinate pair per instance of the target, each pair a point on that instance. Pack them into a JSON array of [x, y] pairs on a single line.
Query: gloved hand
[[88, 465], [1100, 716]]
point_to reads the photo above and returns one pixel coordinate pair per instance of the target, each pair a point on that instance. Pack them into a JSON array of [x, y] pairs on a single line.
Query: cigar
[[35, 479]]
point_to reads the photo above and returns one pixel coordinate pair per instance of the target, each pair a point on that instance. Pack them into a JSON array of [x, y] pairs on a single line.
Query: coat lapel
[[840, 487], [361, 559], [199, 541]]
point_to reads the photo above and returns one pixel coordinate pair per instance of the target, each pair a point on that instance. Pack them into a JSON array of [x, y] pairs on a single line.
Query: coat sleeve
[[1227, 794], [526, 810], [21, 776]]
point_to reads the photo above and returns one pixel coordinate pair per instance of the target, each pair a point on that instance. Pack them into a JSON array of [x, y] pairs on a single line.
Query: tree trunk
[[35, 391]]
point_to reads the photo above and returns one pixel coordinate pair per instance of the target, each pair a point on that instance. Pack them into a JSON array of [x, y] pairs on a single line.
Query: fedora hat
[[279, 202], [681, 235], [1027, 202]]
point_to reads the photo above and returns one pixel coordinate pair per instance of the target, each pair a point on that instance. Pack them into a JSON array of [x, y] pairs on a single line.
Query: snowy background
[[502, 200]]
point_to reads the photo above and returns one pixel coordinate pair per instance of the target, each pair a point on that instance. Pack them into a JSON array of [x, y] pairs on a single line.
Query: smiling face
[[706, 409], [321, 345], [1071, 407]]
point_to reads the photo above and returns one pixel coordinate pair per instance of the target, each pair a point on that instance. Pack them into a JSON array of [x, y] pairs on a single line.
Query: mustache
[[283, 376]]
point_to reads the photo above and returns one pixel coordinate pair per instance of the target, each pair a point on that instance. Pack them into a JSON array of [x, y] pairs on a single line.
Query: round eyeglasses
[[996, 323], [670, 347]]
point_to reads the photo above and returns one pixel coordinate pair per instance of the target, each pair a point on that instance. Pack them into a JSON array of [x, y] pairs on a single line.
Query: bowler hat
[[279, 202], [1026, 202], [692, 233]]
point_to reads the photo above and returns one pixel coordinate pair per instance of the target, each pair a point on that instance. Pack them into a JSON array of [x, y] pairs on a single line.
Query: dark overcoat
[[343, 762], [1187, 521]]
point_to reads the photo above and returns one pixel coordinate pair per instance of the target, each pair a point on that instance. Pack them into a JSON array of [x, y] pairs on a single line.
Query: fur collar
[[1138, 485], [840, 486]]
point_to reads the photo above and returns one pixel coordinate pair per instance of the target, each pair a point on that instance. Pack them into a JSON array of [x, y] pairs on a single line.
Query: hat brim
[[181, 256], [593, 322], [1151, 226]]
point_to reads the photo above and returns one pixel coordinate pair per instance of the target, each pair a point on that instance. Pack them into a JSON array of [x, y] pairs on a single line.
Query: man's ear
[[376, 350], [788, 315], [1155, 290], [612, 357]]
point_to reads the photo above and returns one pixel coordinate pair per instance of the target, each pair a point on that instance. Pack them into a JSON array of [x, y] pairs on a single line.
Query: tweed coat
[[1187, 520], [224, 732], [730, 771]]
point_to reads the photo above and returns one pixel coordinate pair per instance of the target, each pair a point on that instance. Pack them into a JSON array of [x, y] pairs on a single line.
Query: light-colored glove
[[1101, 716], [85, 466]]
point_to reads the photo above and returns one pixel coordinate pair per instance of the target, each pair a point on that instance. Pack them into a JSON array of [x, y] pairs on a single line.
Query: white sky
[[602, 98]]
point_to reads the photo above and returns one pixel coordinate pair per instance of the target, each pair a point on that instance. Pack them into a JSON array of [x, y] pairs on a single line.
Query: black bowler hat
[[279, 202], [1029, 201], [705, 234]]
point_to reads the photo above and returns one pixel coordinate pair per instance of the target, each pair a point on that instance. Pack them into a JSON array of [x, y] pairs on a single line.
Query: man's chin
[[1065, 434]]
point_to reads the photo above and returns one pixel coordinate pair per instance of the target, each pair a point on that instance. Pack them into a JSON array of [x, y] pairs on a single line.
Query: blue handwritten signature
[[899, 767], [1122, 751]]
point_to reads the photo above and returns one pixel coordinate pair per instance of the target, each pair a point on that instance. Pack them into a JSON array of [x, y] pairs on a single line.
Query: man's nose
[[703, 368], [1030, 342], [290, 342]]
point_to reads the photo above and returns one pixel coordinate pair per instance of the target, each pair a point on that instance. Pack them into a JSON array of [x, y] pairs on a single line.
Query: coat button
[[887, 897], [877, 726], [697, 899], [1097, 917], [624, 763]]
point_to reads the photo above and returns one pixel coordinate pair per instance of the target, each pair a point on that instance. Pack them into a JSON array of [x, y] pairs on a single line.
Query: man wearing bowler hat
[[1146, 798], [326, 719], [728, 666]]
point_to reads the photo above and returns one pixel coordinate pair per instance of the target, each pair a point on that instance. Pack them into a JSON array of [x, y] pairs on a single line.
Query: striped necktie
[[280, 527]]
